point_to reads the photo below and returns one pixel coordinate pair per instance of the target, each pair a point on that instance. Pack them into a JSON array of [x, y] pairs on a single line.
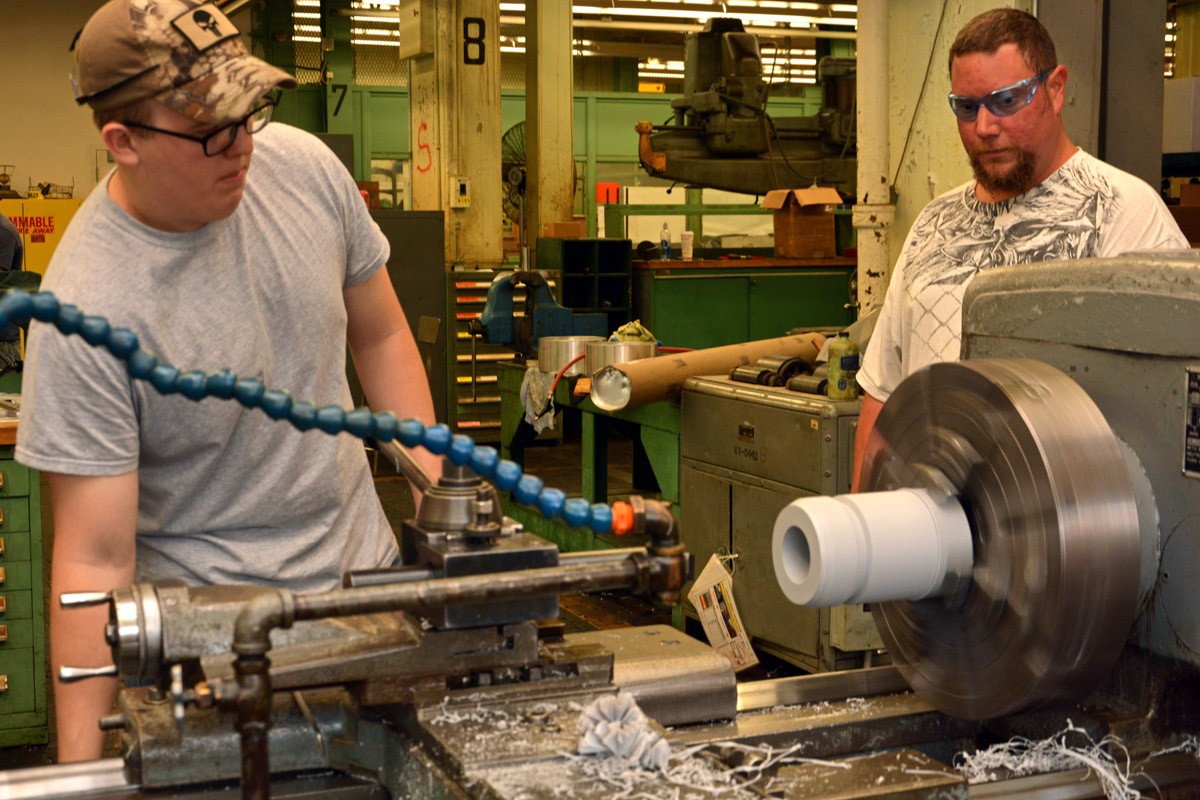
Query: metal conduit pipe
[[281, 609]]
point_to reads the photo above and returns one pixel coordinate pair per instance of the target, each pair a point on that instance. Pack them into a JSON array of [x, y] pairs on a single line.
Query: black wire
[[928, 67], [824, 173]]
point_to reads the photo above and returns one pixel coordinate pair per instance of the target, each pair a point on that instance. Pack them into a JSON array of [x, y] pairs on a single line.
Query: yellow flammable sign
[[41, 224]]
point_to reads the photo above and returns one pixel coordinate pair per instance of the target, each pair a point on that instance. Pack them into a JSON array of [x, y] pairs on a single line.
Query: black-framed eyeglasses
[[1002, 102], [223, 138]]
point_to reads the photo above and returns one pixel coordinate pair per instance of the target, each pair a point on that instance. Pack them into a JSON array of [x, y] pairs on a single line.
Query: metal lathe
[[1028, 544]]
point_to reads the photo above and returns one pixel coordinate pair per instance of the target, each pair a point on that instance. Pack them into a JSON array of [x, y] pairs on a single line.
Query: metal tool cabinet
[[747, 451], [22, 606]]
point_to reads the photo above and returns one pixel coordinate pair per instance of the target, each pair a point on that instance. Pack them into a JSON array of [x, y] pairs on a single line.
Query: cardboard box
[[575, 229], [804, 222], [1189, 194]]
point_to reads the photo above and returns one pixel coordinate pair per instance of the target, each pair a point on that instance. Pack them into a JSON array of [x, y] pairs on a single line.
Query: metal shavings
[[1020, 756], [614, 724], [459, 714], [1190, 746], [694, 773], [761, 758], [686, 778]]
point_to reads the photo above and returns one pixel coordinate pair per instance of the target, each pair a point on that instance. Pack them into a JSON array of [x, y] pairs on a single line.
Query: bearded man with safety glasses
[[1035, 197], [223, 242]]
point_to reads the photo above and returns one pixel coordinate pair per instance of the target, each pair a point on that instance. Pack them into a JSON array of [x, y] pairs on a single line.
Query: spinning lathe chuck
[[998, 541]]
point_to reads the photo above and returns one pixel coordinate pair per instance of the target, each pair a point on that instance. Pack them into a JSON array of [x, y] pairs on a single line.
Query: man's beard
[[1017, 180]]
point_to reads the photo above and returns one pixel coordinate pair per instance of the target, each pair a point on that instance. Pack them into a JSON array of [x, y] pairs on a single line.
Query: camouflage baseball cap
[[184, 53]]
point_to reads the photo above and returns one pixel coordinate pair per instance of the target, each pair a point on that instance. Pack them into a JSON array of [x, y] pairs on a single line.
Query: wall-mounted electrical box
[[460, 193]]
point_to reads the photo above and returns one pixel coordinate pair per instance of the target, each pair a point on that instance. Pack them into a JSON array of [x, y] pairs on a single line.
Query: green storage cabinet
[[699, 304], [22, 615]]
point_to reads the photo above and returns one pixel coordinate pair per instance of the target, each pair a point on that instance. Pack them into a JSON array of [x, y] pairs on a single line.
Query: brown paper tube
[[651, 379]]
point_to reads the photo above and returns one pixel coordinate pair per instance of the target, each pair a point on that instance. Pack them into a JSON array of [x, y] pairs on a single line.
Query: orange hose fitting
[[622, 518]]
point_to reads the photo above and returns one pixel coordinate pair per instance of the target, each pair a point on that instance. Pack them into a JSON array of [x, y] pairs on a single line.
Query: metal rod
[[80, 778], [429, 596], [281, 608]]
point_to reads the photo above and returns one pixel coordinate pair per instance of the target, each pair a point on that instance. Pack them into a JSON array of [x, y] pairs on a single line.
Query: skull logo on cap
[[208, 23]]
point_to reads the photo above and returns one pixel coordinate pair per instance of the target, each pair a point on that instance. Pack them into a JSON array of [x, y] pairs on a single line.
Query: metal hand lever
[[406, 464], [72, 674], [83, 599]]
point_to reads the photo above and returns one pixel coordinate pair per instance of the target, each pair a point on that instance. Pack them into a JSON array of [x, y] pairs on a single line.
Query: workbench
[[656, 451], [714, 302]]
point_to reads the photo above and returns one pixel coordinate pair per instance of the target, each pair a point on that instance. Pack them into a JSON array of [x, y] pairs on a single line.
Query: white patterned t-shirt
[[1086, 209]]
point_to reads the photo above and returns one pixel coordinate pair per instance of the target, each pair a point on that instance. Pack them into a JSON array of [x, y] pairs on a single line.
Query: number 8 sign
[[473, 44]]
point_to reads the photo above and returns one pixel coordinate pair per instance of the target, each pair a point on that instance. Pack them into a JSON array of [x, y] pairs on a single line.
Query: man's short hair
[[990, 30], [139, 111]]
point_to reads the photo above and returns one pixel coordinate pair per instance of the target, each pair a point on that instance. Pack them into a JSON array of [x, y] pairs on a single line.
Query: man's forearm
[[77, 640], [94, 551], [394, 379], [864, 444]]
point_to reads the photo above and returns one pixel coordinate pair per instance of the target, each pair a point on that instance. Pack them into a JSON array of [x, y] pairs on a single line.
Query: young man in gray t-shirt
[[222, 243]]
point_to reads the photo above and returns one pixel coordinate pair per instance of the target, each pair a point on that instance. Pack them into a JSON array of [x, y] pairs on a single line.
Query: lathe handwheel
[[1053, 589]]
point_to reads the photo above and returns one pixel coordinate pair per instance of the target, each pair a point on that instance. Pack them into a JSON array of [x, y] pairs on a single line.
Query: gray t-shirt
[[1087, 208], [225, 493]]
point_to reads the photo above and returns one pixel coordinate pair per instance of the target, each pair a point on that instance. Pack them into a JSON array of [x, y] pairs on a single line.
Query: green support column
[[271, 35], [595, 458], [339, 70]]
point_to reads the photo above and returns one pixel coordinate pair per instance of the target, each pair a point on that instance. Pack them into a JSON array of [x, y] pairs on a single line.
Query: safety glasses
[[1002, 102]]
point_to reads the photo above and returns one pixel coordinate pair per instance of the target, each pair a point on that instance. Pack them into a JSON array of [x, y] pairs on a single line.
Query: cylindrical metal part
[[907, 544], [811, 384], [135, 630], [382, 577], [555, 352], [747, 374], [604, 353], [651, 379]]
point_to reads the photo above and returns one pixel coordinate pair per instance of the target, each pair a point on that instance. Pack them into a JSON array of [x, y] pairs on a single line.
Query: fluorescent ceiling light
[[753, 19]]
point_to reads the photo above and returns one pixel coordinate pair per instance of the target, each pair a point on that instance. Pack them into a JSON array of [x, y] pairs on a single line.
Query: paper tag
[[712, 597]]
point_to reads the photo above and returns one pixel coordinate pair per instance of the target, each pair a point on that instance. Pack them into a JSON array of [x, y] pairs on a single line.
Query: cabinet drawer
[[15, 575], [14, 546], [16, 682], [16, 634], [14, 514], [16, 604], [14, 479]]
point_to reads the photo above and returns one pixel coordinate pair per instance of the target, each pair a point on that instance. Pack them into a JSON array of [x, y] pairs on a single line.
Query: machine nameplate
[[1191, 425]]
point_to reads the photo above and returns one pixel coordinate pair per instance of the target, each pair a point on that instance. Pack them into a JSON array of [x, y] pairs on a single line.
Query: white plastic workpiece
[[907, 544]]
